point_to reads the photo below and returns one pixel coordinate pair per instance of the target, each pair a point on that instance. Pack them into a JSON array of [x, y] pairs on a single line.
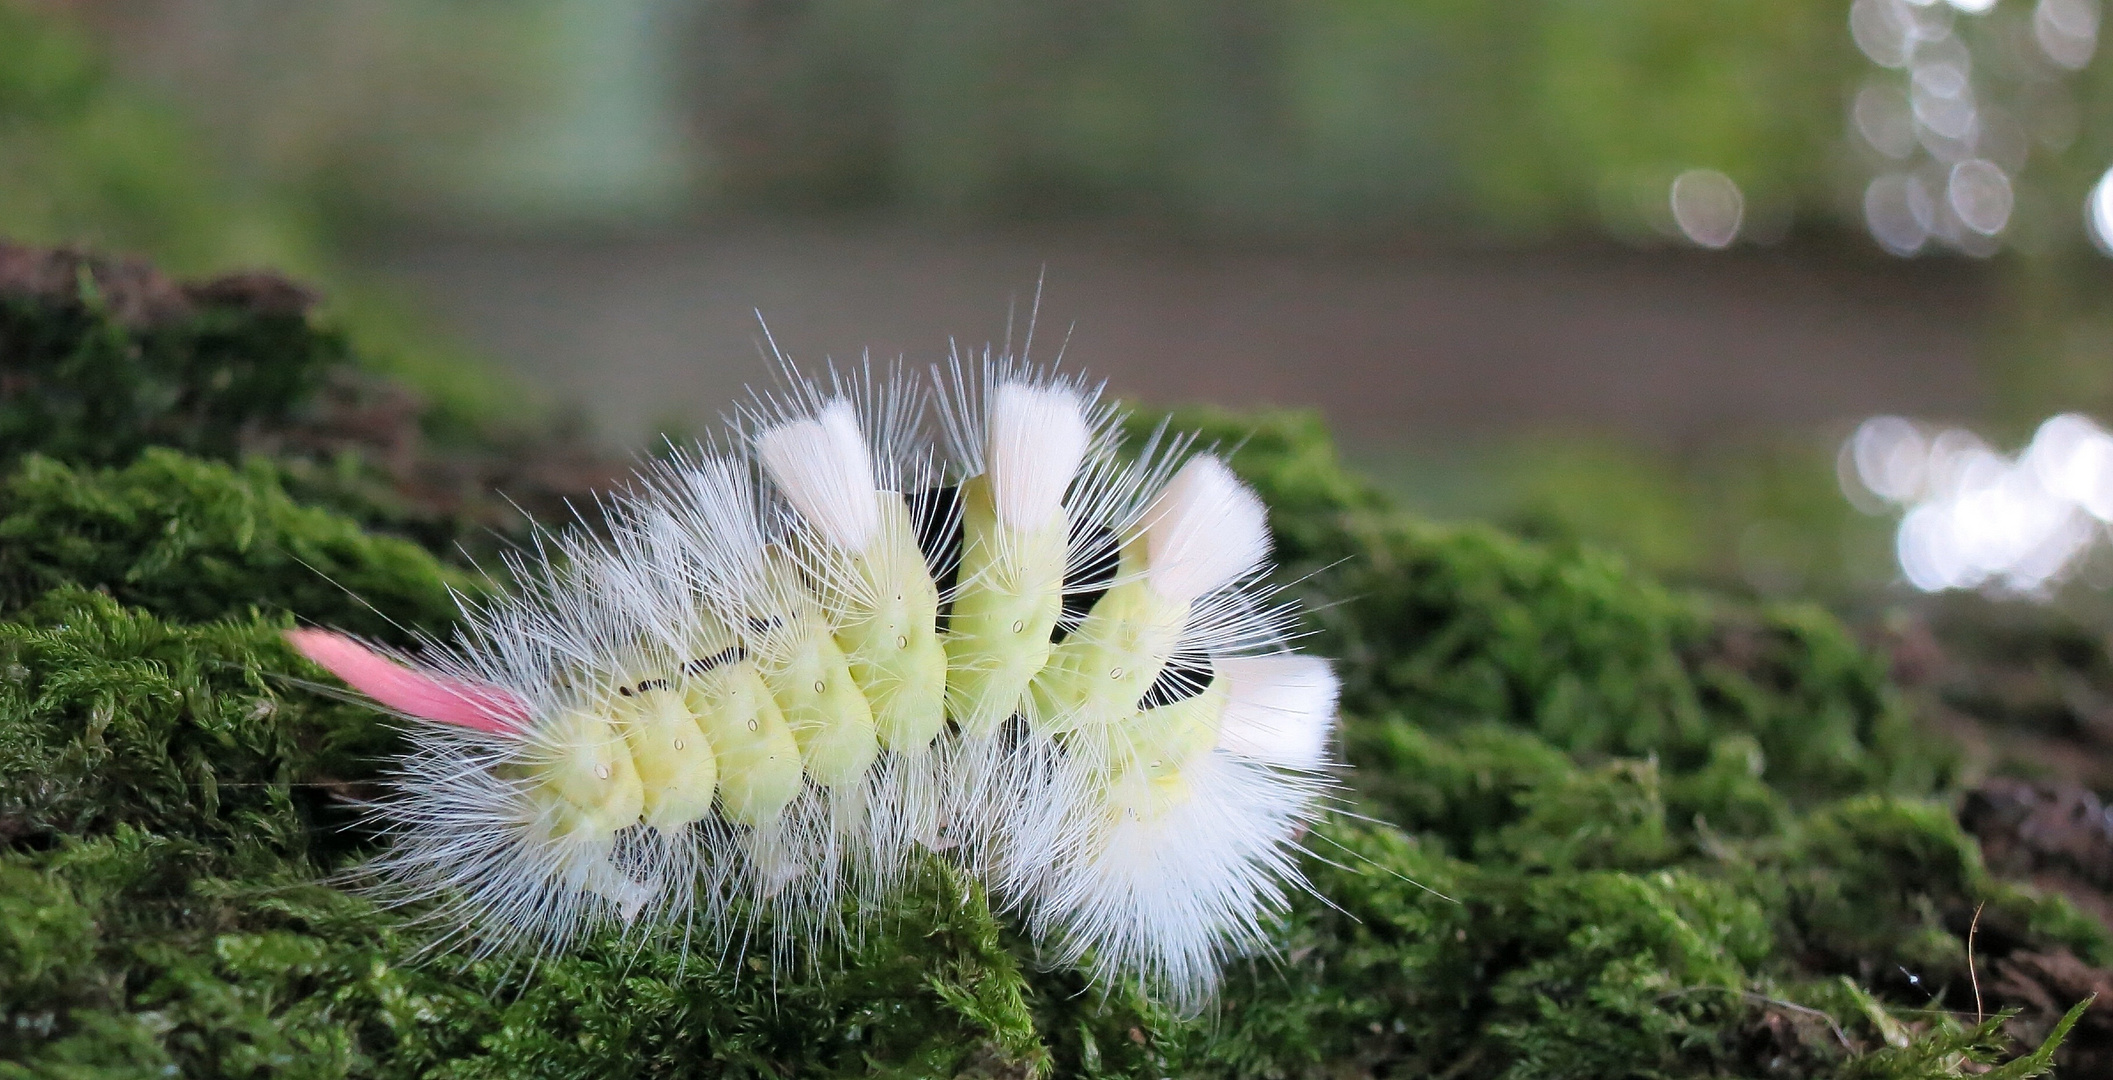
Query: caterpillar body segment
[[759, 760], [761, 672], [792, 668], [1204, 532], [1099, 674], [1162, 897], [799, 860], [1177, 852], [810, 679], [521, 838], [721, 604], [869, 567], [1163, 740], [889, 632], [581, 771], [676, 765], [1136, 700], [876, 578], [1037, 544], [1015, 545], [1009, 597]]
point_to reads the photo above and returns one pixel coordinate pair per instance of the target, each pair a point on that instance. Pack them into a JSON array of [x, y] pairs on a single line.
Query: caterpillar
[[881, 618]]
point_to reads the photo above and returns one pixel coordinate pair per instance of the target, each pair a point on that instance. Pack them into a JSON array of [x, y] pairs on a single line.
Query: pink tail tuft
[[413, 693]]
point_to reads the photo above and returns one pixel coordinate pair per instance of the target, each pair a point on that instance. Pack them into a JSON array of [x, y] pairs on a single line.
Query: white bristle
[[1166, 899], [1279, 709], [1205, 531], [1037, 437], [822, 466], [668, 725]]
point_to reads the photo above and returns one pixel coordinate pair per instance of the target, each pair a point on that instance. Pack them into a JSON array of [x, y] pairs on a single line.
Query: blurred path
[[1671, 345]]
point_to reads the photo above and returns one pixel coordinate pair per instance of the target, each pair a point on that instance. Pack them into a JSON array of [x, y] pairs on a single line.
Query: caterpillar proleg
[[800, 661]]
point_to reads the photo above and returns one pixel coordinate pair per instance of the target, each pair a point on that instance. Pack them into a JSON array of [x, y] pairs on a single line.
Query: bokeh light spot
[[1974, 518], [1897, 210], [2067, 31], [1981, 195], [2098, 213], [1708, 207], [1882, 118], [1884, 30]]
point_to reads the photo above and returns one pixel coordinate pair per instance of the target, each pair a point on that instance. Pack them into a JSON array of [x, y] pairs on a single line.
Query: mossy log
[[1596, 827]]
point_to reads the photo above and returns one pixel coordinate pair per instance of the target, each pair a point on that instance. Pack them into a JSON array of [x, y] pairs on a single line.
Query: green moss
[[1445, 627], [116, 718], [107, 358], [165, 904], [1625, 831], [127, 955], [194, 540], [117, 359]]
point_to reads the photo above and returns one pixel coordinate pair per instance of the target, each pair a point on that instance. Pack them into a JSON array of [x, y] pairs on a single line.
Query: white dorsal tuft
[[1037, 438], [821, 465], [696, 589], [1205, 531], [1278, 709]]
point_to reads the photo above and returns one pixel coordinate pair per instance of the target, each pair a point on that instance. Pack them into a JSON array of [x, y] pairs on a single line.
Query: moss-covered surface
[[1621, 830], [107, 357], [198, 540]]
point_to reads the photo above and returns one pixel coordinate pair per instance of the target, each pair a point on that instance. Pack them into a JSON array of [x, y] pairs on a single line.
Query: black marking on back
[[1184, 677], [936, 513], [703, 664], [1085, 588]]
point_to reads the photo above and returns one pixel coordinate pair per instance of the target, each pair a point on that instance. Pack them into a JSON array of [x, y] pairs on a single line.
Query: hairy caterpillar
[[884, 617]]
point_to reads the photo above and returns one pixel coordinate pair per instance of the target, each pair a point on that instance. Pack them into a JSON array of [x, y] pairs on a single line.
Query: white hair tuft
[[1205, 531], [1037, 436], [1279, 709], [822, 465]]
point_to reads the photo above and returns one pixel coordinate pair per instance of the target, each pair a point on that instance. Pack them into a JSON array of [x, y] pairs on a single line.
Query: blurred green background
[[1622, 271]]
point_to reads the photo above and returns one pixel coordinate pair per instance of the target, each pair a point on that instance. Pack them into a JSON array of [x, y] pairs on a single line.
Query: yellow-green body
[[818, 689], [810, 678], [1097, 675], [678, 773], [1162, 741], [1146, 757], [588, 785], [1010, 596], [759, 761], [889, 635]]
